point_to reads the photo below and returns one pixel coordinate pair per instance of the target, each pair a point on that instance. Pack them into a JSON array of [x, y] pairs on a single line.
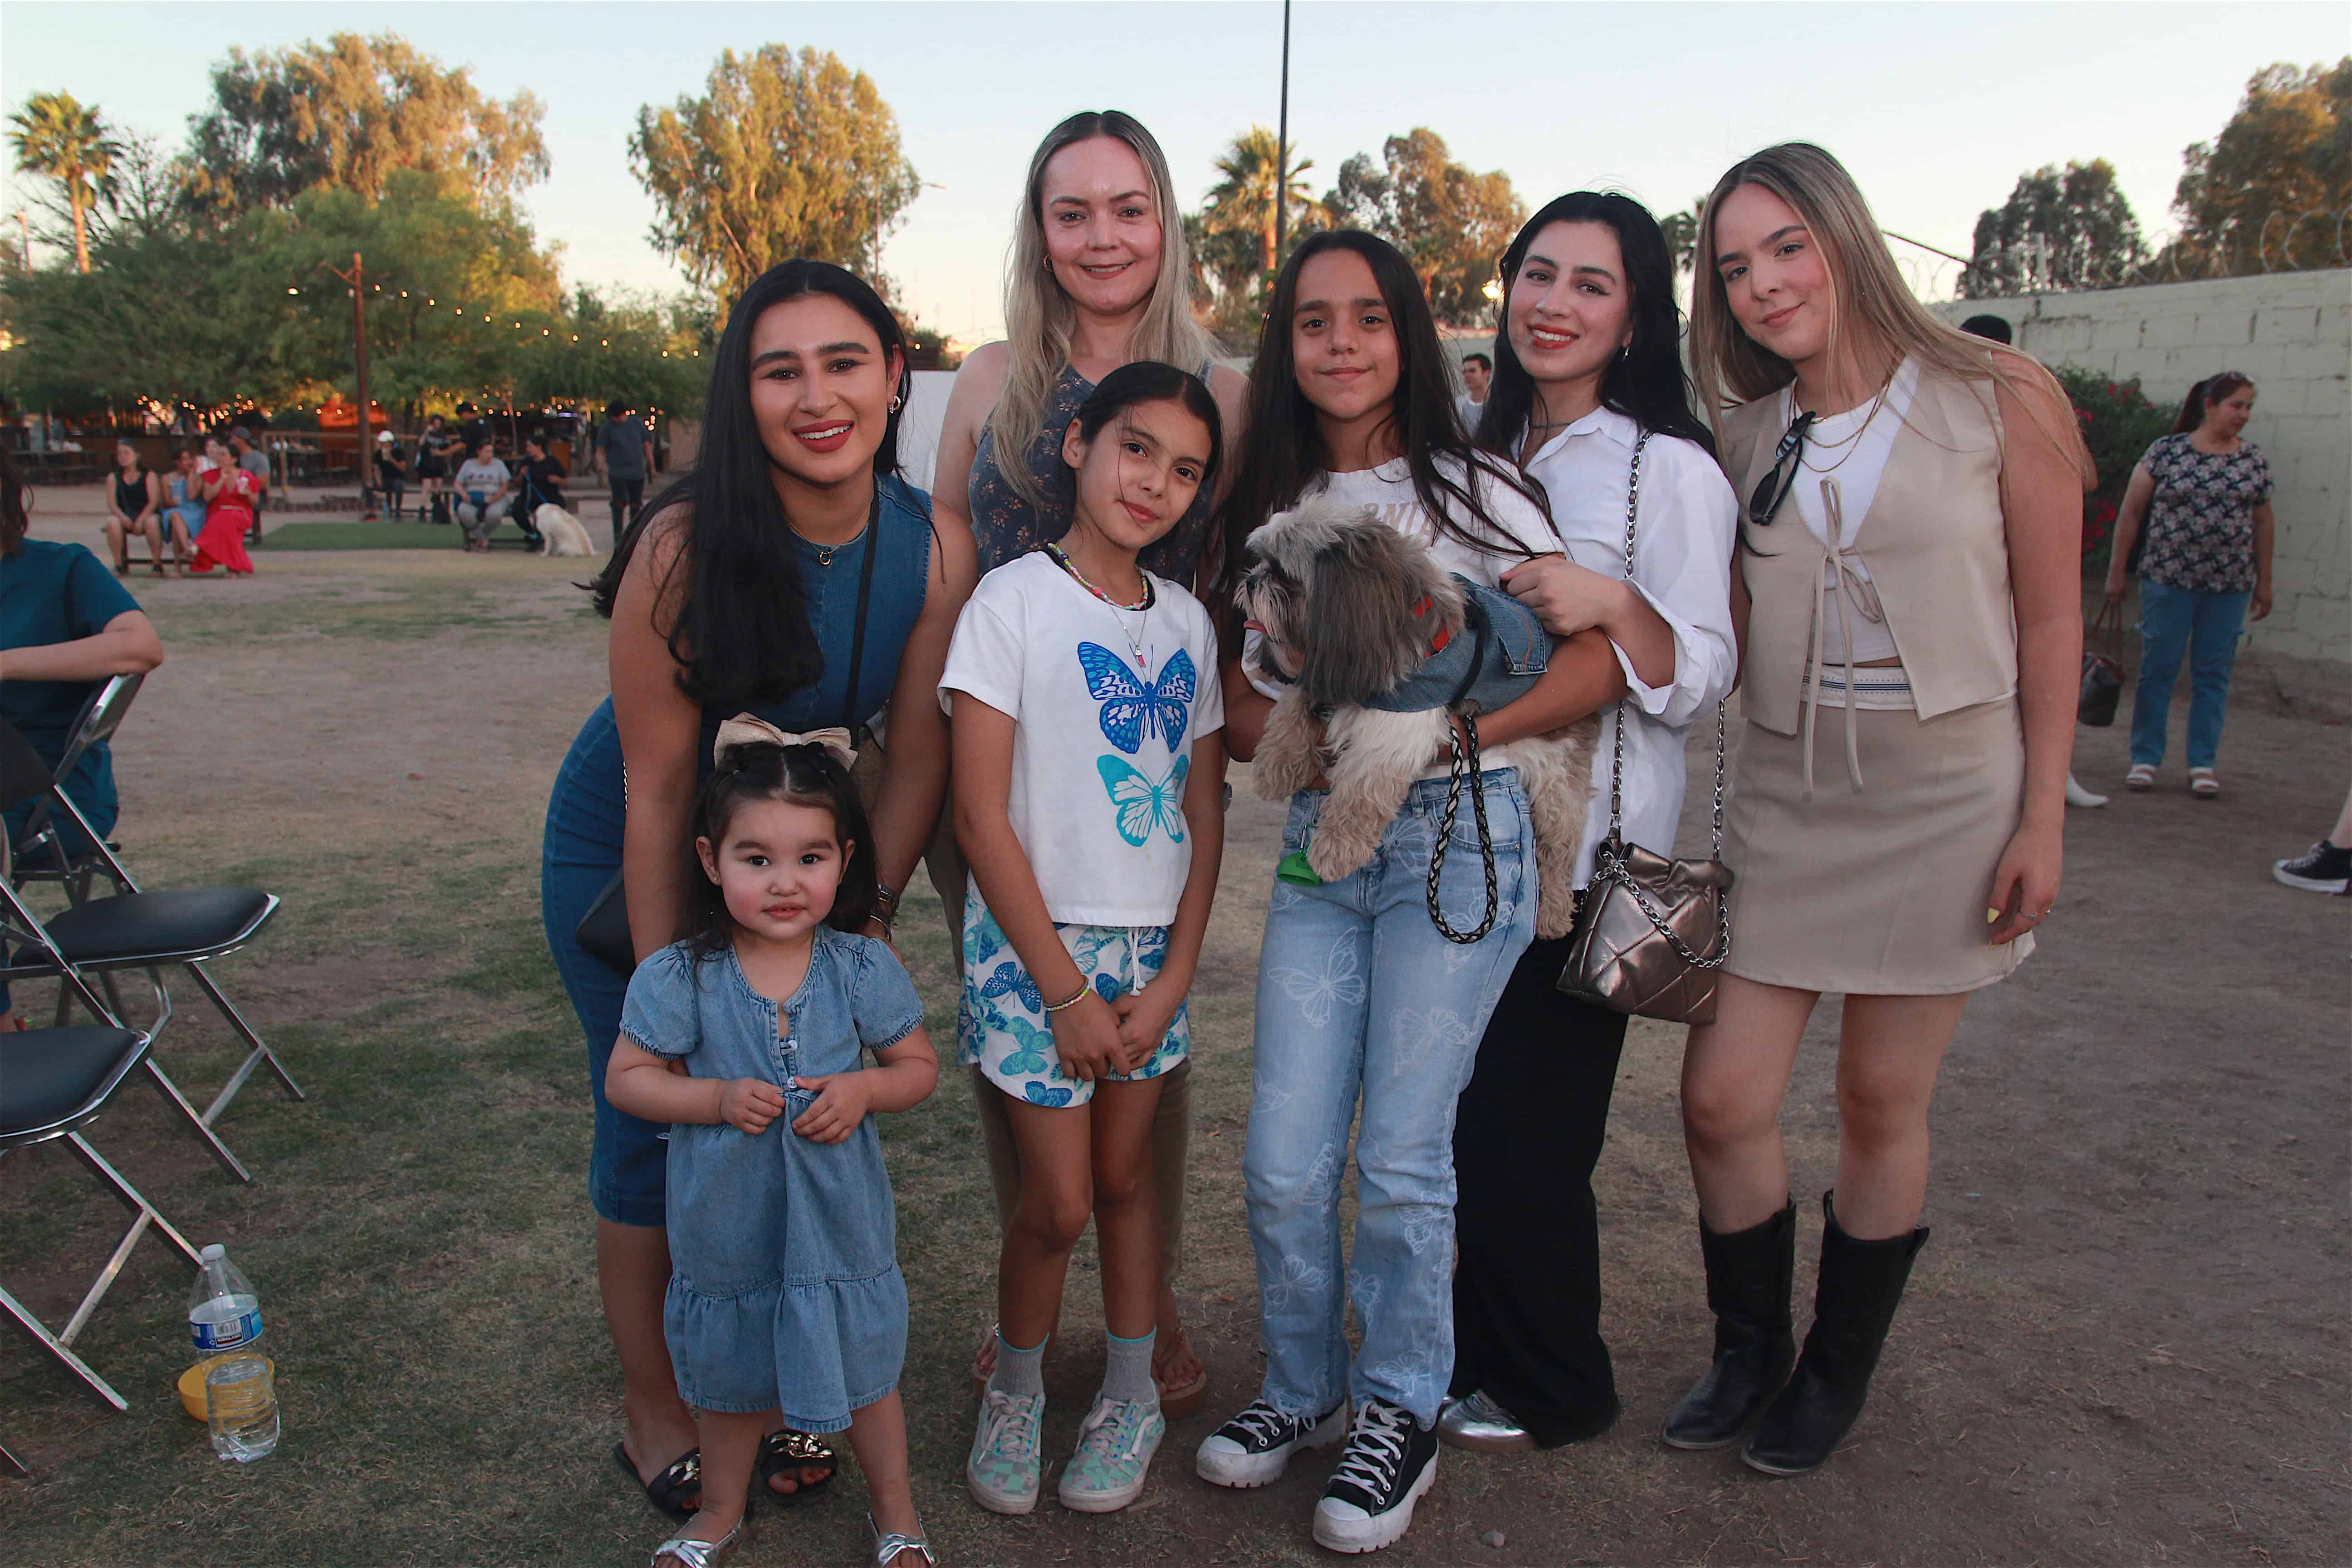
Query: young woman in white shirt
[[1359, 995], [1588, 365]]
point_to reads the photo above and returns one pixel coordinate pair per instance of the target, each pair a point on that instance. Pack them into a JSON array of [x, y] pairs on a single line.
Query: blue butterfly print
[[1037, 1093], [1143, 802], [1010, 980], [1109, 987], [1131, 710], [1029, 1054]]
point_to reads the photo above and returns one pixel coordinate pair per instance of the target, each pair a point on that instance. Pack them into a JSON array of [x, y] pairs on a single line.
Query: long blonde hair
[[1869, 298], [1038, 313]]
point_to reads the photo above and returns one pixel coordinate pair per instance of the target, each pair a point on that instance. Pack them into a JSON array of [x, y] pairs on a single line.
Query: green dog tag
[[1293, 868]]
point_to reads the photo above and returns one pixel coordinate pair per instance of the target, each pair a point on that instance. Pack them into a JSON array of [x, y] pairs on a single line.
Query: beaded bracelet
[[1080, 994]]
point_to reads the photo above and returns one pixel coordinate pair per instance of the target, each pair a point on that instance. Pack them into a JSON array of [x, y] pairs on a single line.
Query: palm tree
[[1242, 201], [56, 136]]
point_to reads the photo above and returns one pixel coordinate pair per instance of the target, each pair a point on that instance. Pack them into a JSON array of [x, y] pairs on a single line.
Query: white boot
[[2077, 795]]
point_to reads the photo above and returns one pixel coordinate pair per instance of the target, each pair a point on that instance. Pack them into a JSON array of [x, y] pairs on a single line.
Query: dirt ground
[[2125, 1342]]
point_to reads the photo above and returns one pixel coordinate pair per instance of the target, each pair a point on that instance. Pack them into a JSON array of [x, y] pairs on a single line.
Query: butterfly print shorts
[[1002, 1023]]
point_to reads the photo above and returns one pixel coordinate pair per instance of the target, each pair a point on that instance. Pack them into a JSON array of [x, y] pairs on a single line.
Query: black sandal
[[677, 1491], [786, 1449]]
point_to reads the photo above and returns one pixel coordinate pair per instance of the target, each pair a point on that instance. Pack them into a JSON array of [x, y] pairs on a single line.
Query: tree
[[1451, 223], [2284, 154], [56, 137], [783, 156], [1243, 202], [348, 113], [2058, 231], [1681, 231]]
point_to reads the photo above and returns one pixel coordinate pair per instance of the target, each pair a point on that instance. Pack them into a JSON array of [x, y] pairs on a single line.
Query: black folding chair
[[53, 1083], [41, 855], [133, 930]]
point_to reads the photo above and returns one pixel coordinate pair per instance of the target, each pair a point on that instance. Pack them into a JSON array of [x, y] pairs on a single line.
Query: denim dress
[[784, 1288]]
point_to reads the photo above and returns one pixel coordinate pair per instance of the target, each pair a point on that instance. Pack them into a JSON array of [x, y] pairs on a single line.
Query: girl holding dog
[[1097, 281], [1909, 589], [1359, 996], [1090, 802], [1587, 368], [795, 575]]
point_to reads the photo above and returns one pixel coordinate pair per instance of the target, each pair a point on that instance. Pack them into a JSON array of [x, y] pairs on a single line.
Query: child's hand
[[1086, 1038], [749, 1104], [1143, 1019], [841, 1100]]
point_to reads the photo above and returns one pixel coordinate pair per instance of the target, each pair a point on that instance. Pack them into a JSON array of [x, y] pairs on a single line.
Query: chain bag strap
[[1643, 919]]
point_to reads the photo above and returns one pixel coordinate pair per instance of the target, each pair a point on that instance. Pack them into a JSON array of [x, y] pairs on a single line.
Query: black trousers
[[626, 496], [1528, 1132]]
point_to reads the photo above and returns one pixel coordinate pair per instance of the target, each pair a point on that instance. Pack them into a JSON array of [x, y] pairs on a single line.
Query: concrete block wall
[[2291, 333]]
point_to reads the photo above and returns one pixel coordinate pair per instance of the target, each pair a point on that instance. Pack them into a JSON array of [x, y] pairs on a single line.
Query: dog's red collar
[[1437, 644]]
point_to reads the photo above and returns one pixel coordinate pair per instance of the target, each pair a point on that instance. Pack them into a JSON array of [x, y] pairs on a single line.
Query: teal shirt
[[54, 593]]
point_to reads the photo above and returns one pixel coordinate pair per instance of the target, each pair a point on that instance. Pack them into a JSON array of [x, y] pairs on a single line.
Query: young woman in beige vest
[[1909, 598]]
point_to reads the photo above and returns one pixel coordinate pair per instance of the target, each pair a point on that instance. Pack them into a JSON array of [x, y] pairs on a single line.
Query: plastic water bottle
[[225, 1322]]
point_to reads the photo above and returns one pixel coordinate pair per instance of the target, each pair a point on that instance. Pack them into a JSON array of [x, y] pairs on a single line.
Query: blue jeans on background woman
[[2174, 623], [1358, 991]]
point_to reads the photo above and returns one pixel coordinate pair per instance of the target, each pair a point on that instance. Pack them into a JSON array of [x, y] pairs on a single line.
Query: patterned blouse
[[2200, 521]]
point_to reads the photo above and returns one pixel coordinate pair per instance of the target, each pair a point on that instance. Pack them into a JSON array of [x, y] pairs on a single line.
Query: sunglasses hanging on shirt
[[1788, 457]]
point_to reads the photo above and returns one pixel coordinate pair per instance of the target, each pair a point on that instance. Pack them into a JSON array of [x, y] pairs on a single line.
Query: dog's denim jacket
[[1500, 652]]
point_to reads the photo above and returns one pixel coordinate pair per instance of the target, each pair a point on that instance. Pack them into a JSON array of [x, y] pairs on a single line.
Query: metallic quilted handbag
[[1650, 930]]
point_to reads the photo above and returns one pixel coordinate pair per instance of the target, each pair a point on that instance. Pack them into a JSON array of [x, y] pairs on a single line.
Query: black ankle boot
[[1747, 1278], [1861, 1285]]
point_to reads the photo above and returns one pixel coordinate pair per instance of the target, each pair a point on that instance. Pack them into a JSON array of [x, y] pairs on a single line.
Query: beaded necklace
[[1134, 643]]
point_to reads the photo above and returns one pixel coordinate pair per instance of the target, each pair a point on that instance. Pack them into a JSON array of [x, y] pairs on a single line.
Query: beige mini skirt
[[1882, 891]]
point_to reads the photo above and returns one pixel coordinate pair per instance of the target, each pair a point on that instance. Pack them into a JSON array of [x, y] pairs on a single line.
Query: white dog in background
[[561, 533]]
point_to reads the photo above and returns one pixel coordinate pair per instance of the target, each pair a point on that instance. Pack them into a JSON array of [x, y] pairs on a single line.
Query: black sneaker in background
[[1389, 1461], [2325, 867], [1254, 1449]]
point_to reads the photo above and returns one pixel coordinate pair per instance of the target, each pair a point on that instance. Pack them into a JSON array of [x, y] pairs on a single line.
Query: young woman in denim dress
[[1098, 280], [739, 590]]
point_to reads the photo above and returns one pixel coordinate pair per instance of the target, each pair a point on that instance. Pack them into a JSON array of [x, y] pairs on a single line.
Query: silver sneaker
[[1477, 1423]]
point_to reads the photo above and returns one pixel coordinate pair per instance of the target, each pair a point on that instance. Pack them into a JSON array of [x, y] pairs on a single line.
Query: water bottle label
[[227, 1334]]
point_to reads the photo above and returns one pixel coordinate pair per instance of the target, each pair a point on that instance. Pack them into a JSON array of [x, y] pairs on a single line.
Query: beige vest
[[1934, 543]]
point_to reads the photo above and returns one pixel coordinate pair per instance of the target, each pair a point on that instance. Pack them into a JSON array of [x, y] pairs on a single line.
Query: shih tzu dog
[[1375, 644]]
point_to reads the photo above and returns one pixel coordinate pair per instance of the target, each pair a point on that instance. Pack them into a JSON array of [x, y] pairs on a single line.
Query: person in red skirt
[[228, 493]]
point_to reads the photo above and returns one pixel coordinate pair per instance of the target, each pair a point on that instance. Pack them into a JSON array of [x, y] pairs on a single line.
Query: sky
[[1937, 108]]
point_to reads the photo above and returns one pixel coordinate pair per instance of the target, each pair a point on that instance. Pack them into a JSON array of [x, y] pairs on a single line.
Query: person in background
[[229, 491], [474, 428], [436, 459], [183, 517], [622, 451], [1097, 281], [254, 461], [134, 498], [538, 483], [2326, 865], [482, 483], [391, 471], [65, 625], [1477, 376], [2204, 493], [1996, 330]]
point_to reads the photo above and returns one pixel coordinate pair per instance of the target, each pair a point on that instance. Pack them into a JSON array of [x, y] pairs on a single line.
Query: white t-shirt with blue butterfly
[[1103, 740]]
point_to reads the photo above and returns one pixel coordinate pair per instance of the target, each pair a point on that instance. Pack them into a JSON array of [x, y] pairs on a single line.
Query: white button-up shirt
[[1685, 525]]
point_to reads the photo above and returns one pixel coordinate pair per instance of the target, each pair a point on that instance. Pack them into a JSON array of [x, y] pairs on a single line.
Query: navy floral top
[[2200, 521]]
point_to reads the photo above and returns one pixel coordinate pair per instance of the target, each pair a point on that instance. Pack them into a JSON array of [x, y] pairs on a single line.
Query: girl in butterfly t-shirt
[[1089, 783]]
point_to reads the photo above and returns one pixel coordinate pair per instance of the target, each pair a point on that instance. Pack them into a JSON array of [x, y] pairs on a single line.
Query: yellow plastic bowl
[[192, 1387]]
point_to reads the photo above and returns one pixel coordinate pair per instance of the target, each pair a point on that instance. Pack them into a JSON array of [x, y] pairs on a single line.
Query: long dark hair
[[2203, 395], [743, 637], [1647, 383], [1149, 381], [806, 774], [12, 504], [1284, 451]]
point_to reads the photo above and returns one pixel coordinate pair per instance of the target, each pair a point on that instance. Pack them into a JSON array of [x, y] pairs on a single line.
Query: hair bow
[[746, 729]]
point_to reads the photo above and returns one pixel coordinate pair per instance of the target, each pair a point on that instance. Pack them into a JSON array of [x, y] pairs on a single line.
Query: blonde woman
[[1908, 595], [1098, 279]]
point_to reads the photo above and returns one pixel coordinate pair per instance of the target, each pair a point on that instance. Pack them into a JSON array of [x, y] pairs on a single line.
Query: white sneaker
[[1254, 1449], [2077, 795]]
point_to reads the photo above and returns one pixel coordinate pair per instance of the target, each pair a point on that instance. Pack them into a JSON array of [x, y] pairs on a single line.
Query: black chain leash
[[1453, 772]]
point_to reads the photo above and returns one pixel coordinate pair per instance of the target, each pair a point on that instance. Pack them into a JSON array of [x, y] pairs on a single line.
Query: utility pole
[[357, 278], [1282, 145], [24, 232]]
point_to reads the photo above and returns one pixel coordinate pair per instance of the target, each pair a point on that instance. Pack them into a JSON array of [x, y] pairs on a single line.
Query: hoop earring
[[897, 403]]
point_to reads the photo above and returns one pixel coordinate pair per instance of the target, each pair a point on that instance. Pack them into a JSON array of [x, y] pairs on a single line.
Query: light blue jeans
[[2174, 622], [1359, 995]]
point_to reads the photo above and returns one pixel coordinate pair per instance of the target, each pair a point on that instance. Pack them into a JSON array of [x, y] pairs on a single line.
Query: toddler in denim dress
[[785, 1302]]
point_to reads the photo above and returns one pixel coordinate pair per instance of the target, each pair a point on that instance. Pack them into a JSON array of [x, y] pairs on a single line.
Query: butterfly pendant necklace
[[1134, 639]]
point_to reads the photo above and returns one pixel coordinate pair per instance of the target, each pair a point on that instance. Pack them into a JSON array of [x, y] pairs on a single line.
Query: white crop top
[[1847, 453]]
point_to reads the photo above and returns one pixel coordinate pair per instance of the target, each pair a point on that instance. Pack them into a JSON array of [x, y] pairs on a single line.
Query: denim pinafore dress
[[785, 1289]]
